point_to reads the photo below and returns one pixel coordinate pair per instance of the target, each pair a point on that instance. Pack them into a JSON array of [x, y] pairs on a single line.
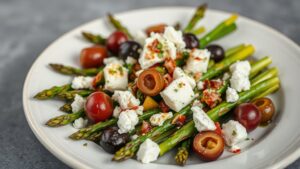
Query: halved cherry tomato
[[248, 115], [266, 108], [218, 128], [98, 107], [98, 79], [93, 56], [150, 82], [114, 41], [146, 127], [164, 107], [208, 145], [170, 65], [159, 28]]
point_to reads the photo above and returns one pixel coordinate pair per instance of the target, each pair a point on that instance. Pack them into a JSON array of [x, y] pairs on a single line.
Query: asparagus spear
[[96, 39], [198, 31], [87, 132], [187, 130], [234, 49], [199, 14], [269, 91], [64, 119], [183, 152], [69, 95], [118, 25], [52, 92], [66, 108], [68, 70], [265, 75], [256, 67]]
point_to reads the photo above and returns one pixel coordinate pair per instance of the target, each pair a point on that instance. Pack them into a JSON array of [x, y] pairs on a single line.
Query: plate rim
[[70, 160]]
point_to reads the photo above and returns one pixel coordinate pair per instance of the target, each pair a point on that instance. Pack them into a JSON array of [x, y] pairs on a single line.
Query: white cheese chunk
[[226, 76], [125, 99], [80, 123], [133, 137], [200, 85], [240, 76], [139, 110], [197, 61], [160, 118], [174, 36], [148, 151], [201, 120], [234, 133], [231, 95], [242, 67], [117, 111], [178, 94], [116, 77], [163, 49], [81, 82], [127, 121], [78, 103], [130, 60], [179, 73], [110, 60], [197, 103]]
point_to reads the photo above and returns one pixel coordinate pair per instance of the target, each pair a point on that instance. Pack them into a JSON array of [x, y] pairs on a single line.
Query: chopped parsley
[[234, 133]]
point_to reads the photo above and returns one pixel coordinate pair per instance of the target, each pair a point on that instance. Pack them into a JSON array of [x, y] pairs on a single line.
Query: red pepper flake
[[212, 84], [236, 151], [146, 127], [155, 46], [164, 107], [218, 129], [179, 120], [211, 97]]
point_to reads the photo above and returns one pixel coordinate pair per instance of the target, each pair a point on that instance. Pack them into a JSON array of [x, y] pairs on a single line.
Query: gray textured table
[[29, 26]]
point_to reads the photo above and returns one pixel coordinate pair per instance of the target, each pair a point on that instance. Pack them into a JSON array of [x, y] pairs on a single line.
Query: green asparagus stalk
[[118, 25], [198, 15], [70, 95], [265, 75], [87, 132], [66, 108], [183, 152], [256, 67], [269, 91], [234, 49], [96, 39], [68, 70], [64, 119], [187, 130], [52, 92], [198, 31]]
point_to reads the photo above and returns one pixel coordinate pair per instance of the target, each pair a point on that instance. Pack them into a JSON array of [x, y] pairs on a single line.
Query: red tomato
[[114, 41], [98, 107], [248, 115], [93, 56]]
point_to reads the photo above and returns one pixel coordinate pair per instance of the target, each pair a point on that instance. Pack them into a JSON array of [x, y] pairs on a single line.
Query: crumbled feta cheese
[[80, 123], [156, 50], [133, 137], [110, 60], [117, 111], [125, 99], [140, 37], [174, 36], [139, 110], [160, 118], [78, 103], [179, 73], [231, 95], [226, 76], [234, 133], [130, 60], [116, 77], [81, 82], [197, 103], [148, 151], [202, 121], [197, 61], [138, 72], [240, 76], [178, 94], [127, 121], [200, 85]]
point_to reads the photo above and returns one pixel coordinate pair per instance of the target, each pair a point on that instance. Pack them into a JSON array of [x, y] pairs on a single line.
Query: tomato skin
[[146, 127], [248, 115], [98, 107], [114, 41], [159, 28], [266, 108], [150, 82], [93, 57]]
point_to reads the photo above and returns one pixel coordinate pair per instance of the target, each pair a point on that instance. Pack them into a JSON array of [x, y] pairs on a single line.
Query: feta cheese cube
[[231, 95], [127, 121], [201, 120], [178, 73], [80, 123], [156, 50], [125, 99], [200, 85], [160, 118], [110, 60], [78, 103], [116, 77], [234, 133], [81, 82], [130, 60], [197, 61], [148, 151], [139, 110], [133, 137], [178, 94], [175, 37], [239, 82], [242, 67]]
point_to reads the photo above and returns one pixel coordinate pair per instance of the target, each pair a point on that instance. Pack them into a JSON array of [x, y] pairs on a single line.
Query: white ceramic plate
[[275, 146]]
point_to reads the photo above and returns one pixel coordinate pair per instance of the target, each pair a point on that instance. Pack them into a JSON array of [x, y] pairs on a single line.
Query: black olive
[[130, 48], [111, 140], [191, 41], [217, 52]]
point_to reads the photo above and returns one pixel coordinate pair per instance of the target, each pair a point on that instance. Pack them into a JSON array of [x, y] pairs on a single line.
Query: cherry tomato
[[146, 127], [114, 41], [93, 56], [98, 107], [208, 145], [266, 108], [150, 82], [159, 28], [248, 115]]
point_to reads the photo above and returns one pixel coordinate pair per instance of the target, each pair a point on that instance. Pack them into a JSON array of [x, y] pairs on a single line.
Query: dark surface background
[[27, 27]]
